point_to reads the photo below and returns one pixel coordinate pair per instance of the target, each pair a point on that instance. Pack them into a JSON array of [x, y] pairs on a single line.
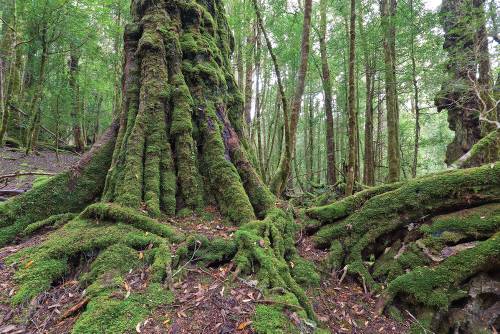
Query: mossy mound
[[420, 242]]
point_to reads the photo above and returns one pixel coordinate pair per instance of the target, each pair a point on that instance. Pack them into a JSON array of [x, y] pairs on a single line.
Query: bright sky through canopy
[[432, 4]]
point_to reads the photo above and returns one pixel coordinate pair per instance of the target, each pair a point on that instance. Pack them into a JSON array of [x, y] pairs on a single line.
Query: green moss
[[477, 222], [336, 255], [108, 314], [270, 319], [304, 272], [67, 192], [395, 314], [37, 276], [117, 259], [437, 287], [113, 212], [213, 251], [266, 245], [41, 265], [53, 221], [343, 208]]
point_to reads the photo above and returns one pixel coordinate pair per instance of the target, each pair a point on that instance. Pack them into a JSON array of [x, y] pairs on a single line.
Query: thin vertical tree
[[331, 174], [351, 164], [416, 105], [388, 12], [369, 157]]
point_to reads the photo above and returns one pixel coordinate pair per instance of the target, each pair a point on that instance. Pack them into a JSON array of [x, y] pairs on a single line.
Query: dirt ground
[[13, 161]]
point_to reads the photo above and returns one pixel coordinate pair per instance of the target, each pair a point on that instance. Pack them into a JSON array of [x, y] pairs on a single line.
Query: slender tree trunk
[[379, 148], [35, 108], [3, 108], [280, 179], [415, 96], [249, 70], [388, 11], [331, 171], [8, 62], [369, 157], [76, 109], [258, 102], [97, 127], [351, 165]]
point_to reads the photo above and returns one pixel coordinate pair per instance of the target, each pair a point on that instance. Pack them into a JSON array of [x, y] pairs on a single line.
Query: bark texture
[[462, 20], [388, 12], [331, 173]]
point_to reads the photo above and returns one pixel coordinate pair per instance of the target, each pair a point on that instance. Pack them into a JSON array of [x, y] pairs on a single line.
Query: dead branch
[[18, 174]]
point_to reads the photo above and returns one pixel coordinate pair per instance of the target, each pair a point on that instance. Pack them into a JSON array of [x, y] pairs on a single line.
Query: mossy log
[[176, 147], [487, 150], [396, 240]]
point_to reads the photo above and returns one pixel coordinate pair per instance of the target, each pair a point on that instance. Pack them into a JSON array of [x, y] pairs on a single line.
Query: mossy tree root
[[267, 246], [68, 192], [396, 238]]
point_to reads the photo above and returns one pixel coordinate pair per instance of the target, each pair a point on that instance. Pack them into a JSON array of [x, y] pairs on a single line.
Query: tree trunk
[[351, 165], [461, 100], [280, 179], [415, 103], [35, 106], [8, 62], [331, 176], [76, 110], [388, 12], [249, 70], [369, 157]]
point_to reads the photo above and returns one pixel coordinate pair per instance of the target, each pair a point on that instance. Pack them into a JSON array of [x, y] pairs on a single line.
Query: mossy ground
[[395, 241]]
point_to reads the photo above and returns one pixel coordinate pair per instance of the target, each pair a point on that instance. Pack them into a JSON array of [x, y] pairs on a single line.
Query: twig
[[343, 274], [74, 309], [17, 174], [418, 323], [196, 248]]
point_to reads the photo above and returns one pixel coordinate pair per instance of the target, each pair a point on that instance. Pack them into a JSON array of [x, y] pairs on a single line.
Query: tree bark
[[331, 174], [8, 62], [249, 70], [415, 95], [369, 157], [35, 105], [461, 94], [388, 12], [280, 179], [351, 165], [76, 110]]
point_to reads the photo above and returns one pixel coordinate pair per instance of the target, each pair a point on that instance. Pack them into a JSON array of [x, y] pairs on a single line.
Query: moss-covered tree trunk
[[176, 147], [462, 21]]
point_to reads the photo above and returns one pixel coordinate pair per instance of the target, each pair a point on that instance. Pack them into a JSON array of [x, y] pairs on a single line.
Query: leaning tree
[[177, 146]]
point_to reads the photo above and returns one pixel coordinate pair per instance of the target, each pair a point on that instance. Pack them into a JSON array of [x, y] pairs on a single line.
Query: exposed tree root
[[388, 236]]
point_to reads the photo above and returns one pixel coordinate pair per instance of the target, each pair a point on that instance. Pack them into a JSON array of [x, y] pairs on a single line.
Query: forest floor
[[16, 161], [207, 300]]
